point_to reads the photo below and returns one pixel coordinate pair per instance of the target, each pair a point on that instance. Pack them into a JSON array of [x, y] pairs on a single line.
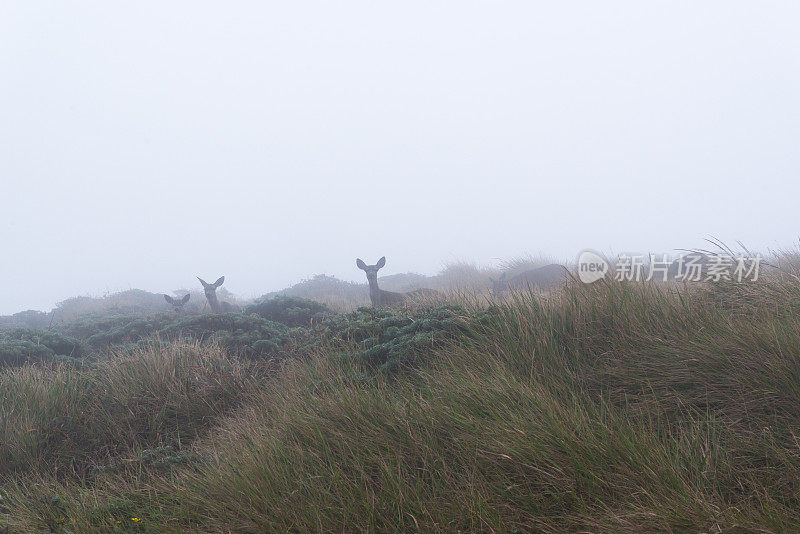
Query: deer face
[[371, 270], [211, 289], [178, 304]]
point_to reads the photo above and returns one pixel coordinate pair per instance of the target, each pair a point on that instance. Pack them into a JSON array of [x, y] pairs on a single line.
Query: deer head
[[211, 293], [212, 287], [371, 270], [178, 304]]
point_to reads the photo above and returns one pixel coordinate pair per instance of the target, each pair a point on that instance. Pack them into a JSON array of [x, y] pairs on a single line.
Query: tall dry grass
[[603, 408], [63, 419]]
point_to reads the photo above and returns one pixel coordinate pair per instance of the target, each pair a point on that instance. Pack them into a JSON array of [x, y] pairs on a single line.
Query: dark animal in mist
[[177, 304], [380, 297], [541, 278], [213, 301]]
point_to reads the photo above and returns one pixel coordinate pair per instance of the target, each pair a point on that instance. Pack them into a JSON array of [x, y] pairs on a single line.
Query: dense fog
[[144, 144]]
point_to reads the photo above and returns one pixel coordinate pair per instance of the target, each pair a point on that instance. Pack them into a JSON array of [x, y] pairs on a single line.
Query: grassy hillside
[[456, 277], [339, 295], [603, 408]]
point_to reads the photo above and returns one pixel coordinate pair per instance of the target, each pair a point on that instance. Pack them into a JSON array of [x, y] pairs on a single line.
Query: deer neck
[[374, 291], [212, 301]]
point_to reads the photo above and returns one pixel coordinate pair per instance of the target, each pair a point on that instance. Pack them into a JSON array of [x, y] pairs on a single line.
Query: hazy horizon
[[144, 144]]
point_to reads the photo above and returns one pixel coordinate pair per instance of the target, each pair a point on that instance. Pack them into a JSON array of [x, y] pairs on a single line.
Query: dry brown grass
[[604, 408]]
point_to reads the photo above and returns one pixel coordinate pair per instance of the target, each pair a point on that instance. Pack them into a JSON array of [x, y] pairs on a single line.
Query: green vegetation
[[23, 345], [603, 408], [388, 341], [243, 335], [291, 311], [27, 319], [131, 302], [248, 335], [101, 331]]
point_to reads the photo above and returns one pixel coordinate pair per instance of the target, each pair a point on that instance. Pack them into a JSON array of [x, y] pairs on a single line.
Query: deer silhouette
[[211, 294], [380, 297], [541, 278], [177, 304]]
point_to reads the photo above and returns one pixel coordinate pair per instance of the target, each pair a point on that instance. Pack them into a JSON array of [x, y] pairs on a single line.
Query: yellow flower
[[135, 519]]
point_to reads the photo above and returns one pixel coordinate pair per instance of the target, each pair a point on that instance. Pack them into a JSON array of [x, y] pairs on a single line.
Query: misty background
[[142, 144]]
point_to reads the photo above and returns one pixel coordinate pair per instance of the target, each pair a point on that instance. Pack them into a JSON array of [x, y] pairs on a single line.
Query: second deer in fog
[[213, 301], [380, 297], [177, 304], [541, 278]]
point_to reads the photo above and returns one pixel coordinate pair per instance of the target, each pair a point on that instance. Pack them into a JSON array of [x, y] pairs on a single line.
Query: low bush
[[291, 311], [101, 331], [31, 319], [389, 339], [248, 335], [22, 345]]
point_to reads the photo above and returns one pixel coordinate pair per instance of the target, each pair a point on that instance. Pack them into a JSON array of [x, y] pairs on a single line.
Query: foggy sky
[[143, 143]]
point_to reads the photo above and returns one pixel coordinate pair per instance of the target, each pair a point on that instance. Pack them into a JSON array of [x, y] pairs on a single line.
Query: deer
[[177, 304], [381, 297], [211, 294], [540, 278]]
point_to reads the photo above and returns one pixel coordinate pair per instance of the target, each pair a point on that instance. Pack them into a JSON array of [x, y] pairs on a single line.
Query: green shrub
[[26, 319], [103, 331], [390, 340], [291, 311], [22, 345], [247, 335]]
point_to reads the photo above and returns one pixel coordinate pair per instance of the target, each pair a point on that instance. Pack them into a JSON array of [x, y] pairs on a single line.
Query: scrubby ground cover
[[24, 345], [603, 408], [269, 328]]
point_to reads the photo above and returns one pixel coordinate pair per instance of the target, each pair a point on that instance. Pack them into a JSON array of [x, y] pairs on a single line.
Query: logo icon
[[591, 267]]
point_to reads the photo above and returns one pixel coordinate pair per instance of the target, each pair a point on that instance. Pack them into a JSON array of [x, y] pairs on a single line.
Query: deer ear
[[381, 262], [205, 284], [185, 298], [360, 264], [219, 281], [169, 299]]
